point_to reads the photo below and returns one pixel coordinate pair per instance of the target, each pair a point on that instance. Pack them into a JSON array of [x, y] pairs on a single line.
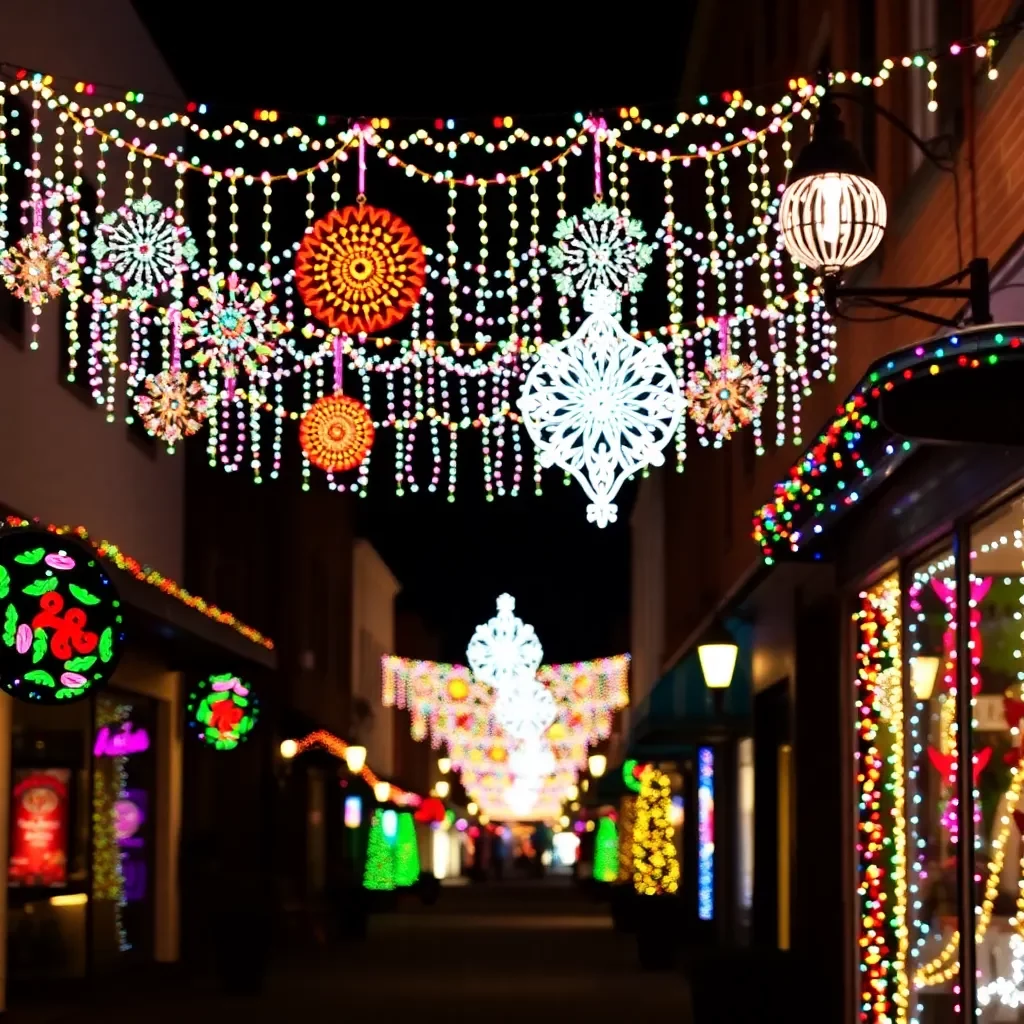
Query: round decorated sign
[[222, 709], [62, 620], [360, 269]]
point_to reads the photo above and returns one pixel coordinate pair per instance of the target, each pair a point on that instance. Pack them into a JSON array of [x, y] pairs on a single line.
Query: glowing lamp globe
[[597, 764], [832, 215], [289, 748], [717, 654], [381, 792], [442, 789], [355, 759], [444, 765], [923, 671]]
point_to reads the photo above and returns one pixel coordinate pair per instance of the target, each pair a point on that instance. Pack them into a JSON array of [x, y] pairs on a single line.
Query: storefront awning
[[859, 448], [680, 711]]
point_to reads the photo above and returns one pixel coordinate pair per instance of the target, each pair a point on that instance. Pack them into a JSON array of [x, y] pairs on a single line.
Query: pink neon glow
[[231, 684], [362, 159], [60, 562], [339, 361], [597, 127], [122, 743], [73, 680]]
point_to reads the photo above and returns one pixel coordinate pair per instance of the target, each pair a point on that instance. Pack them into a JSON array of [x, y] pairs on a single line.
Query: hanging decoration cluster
[[517, 731], [287, 299]]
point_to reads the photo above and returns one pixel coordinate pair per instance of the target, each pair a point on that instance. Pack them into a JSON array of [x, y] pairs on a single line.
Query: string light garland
[[145, 574], [476, 328], [836, 473]]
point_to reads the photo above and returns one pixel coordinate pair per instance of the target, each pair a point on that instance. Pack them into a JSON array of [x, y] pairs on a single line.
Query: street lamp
[[382, 791], [444, 765], [289, 748], [923, 671], [597, 764], [442, 789], [717, 653], [355, 758], [832, 216], [572, 791]]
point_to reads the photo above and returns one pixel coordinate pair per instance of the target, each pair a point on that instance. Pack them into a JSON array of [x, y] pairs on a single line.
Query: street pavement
[[498, 952]]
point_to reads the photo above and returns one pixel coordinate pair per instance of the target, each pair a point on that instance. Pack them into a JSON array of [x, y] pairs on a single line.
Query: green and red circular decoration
[[223, 710], [61, 620]]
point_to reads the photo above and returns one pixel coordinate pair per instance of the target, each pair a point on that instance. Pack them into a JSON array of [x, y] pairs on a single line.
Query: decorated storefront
[[923, 547], [99, 653]]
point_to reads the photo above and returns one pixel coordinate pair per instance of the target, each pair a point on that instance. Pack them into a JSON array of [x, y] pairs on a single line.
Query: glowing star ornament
[[172, 407], [142, 250], [336, 433], [232, 325], [601, 405], [37, 268], [505, 649], [360, 269], [603, 250], [727, 394]]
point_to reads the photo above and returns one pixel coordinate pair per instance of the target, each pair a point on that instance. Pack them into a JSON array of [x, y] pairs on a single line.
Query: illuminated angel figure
[[234, 328], [142, 250], [603, 250], [173, 407], [726, 395], [601, 405], [504, 649]]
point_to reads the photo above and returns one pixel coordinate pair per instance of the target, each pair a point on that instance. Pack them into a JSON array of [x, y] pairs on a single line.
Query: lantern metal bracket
[[976, 293]]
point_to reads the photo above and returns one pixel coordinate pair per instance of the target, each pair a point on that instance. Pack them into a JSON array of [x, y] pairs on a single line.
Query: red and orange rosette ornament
[[360, 269], [336, 433]]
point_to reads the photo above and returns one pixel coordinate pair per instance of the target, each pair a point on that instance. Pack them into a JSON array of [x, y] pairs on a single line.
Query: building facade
[[869, 539]]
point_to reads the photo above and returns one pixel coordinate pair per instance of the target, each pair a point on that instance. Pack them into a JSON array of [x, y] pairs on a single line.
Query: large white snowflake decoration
[[141, 249], [505, 648], [603, 250], [601, 405], [532, 762], [524, 708]]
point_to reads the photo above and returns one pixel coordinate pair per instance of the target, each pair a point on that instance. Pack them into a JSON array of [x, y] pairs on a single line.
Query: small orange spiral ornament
[[360, 269], [336, 433]]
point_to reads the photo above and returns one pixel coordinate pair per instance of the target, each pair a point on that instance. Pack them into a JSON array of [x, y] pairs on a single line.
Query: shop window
[[929, 905], [997, 593]]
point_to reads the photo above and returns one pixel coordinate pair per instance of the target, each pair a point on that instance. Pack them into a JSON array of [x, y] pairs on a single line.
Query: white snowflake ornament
[[524, 708], [142, 250], [604, 250], [505, 648], [601, 405]]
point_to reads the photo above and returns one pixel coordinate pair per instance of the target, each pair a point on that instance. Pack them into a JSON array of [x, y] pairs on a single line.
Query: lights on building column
[[832, 215], [355, 759], [717, 653]]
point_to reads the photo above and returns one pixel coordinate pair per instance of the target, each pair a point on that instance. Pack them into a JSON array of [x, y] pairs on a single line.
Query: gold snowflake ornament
[[37, 268], [173, 406]]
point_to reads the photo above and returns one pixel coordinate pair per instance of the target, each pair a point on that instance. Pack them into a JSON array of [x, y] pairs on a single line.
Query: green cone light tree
[[380, 862]]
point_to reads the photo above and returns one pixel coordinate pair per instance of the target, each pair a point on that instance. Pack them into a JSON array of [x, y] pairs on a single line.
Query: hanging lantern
[[832, 215]]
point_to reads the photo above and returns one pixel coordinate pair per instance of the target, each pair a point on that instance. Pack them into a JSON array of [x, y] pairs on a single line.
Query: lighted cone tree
[[655, 863], [606, 851], [380, 862], [407, 854]]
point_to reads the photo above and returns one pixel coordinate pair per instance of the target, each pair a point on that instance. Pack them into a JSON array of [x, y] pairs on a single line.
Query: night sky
[[570, 579]]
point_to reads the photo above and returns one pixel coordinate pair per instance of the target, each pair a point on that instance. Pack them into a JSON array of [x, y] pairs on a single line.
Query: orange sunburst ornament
[[336, 433], [360, 269]]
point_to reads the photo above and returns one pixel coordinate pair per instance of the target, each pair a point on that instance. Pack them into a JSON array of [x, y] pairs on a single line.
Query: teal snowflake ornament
[[142, 250], [602, 251]]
